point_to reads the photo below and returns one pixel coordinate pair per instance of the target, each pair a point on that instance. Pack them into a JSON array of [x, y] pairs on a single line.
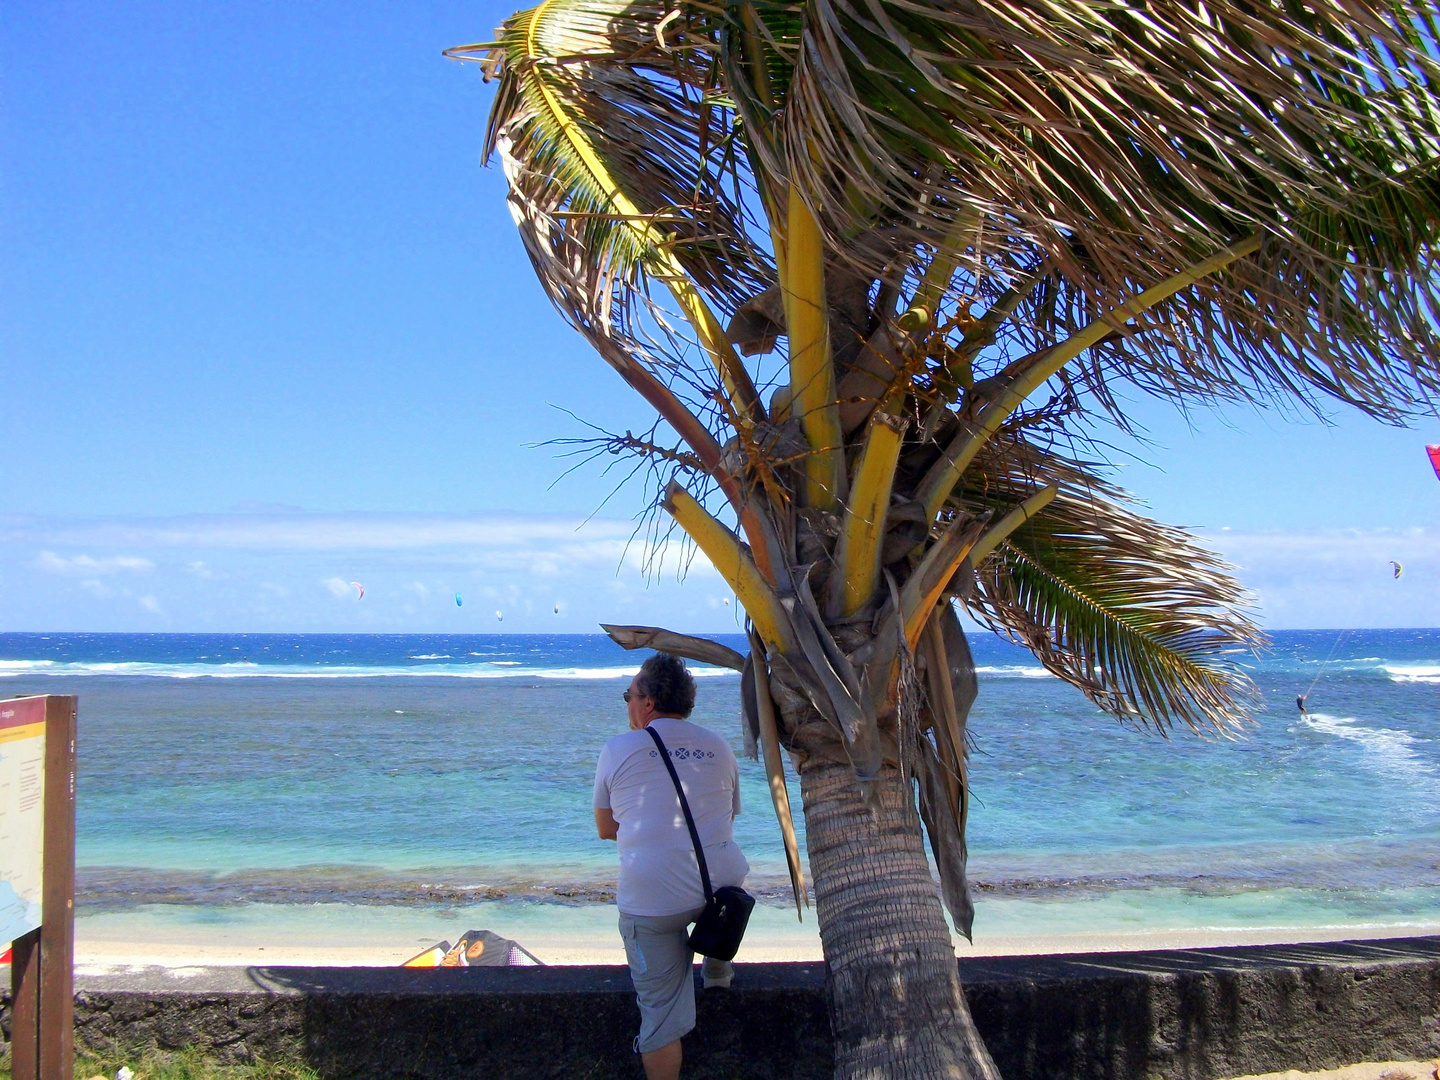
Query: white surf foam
[[1015, 671], [1412, 673], [1393, 751], [252, 670]]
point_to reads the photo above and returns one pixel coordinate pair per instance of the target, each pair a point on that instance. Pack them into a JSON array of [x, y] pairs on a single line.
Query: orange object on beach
[[476, 948]]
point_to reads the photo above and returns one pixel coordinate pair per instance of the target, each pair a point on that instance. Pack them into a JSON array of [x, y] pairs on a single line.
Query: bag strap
[[689, 820]]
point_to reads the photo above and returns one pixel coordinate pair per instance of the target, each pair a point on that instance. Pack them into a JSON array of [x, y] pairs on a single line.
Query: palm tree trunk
[[896, 1008]]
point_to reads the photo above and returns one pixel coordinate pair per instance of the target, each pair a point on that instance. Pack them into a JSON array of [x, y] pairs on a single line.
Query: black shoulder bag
[[721, 925]]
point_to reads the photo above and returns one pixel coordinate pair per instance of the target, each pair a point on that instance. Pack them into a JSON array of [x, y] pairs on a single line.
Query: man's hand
[[605, 823]]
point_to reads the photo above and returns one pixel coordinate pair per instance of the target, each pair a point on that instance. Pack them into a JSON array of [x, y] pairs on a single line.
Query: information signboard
[[22, 815], [37, 881]]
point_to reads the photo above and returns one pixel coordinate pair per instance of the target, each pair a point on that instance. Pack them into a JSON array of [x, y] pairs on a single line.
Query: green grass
[[181, 1065]]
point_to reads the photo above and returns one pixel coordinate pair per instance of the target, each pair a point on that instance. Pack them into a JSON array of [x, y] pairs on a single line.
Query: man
[[660, 893]]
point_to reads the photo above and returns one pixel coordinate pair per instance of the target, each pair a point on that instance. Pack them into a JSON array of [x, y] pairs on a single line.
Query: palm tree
[[885, 270]]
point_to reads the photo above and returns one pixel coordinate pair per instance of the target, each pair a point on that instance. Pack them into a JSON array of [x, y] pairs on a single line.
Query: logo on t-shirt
[[679, 753]]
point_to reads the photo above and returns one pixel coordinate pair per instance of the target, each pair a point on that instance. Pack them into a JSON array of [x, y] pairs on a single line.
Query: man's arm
[[605, 823]]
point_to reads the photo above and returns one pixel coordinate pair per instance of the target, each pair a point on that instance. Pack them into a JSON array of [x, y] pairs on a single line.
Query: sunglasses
[[628, 694]]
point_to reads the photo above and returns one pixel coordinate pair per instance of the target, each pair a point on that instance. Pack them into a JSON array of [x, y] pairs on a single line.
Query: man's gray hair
[[666, 679]]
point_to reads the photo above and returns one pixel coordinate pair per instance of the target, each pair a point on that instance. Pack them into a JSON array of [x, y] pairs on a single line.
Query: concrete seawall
[[1193, 1014]]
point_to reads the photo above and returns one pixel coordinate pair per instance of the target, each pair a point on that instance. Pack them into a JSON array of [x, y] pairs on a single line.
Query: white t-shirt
[[658, 872]]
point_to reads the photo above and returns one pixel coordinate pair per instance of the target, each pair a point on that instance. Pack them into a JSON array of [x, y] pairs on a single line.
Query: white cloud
[[334, 532], [538, 545], [1338, 578], [338, 587], [413, 565], [149, 603], [84, 564]]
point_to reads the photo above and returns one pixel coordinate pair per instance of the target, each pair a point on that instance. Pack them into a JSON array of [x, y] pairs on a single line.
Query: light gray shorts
[[658, 949]]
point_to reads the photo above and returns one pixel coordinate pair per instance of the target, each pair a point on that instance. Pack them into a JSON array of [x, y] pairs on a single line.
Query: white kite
[[360, 589]]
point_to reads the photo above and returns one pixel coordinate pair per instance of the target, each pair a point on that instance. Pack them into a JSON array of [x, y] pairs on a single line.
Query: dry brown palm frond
[[657, 149], [1125, 142]]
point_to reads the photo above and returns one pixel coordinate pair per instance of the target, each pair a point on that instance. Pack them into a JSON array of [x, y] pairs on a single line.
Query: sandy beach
[[1365, 1070], [586, 936]]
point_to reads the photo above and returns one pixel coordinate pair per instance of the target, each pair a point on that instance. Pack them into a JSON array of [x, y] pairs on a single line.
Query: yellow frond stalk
[[1012, 521], [918, 605], [812, 371], [927, 584], [863, 537], [946, 473], [921, 312], [730, 559]]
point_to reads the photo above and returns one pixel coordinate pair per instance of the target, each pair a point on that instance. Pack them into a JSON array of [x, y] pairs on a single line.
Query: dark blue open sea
[[409, 771]]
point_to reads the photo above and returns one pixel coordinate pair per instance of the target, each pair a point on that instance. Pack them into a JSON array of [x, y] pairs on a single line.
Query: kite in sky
[[1397, 568], [499, 616], [458, 601], [360, 589], [1434, 452]]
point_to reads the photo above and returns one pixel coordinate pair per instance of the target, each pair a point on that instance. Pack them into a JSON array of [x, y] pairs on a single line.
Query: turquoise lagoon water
[[265, 774]]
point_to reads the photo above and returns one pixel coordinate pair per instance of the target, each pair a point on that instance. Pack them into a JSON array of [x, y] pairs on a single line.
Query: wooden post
[[42, 980], [57, 932], [25, 1007]]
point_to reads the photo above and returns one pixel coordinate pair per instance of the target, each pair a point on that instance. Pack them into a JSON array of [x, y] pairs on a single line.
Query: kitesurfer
[[1300, 704]]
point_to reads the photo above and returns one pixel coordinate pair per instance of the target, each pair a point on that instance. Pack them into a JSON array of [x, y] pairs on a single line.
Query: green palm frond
[[1136, 614]]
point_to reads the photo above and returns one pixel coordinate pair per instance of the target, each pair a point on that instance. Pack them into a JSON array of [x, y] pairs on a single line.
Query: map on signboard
[[22, 814]]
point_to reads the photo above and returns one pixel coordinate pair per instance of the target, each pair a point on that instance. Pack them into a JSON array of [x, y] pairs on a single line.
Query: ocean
[[383, 780]]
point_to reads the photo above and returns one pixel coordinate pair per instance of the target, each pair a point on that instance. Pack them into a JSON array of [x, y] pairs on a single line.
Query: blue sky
[[265, 325]]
